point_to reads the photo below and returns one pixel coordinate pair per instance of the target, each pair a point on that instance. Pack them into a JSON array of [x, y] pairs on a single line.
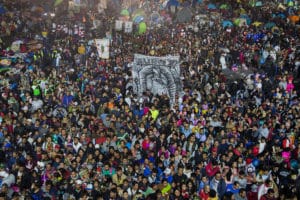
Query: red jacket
[[203, 195], [252, 195], [266, 197], [210, 170]]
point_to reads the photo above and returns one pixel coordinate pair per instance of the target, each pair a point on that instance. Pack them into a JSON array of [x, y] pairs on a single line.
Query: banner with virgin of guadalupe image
[[159, 75]]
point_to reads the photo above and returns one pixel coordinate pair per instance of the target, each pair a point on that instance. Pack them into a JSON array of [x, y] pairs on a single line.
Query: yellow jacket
[[118, 180], [81, 49]]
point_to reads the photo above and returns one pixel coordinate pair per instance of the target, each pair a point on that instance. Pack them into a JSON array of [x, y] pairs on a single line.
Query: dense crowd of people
[[73, 128]]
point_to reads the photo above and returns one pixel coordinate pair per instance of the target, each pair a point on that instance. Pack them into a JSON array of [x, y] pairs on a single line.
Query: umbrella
[[5, 62], [173, 3], [184, 15], [240, 22], [269, 25], [237, 21], [227, 23], [138, 19], [224, 6], [4, 69], [290, 3], [15, 46], [258, 3], [294, 18], [211, 6], [138, 12], [37, 9], [281, 15], [242, 11], [124, 12], [155, 17], [256, 23], [248, 19], [2, 10], [58, 2], [275, 30], [281, 7], [186, 4]]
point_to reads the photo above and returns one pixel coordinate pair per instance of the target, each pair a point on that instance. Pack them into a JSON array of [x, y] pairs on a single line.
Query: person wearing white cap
[[89, 188], [77, 190]]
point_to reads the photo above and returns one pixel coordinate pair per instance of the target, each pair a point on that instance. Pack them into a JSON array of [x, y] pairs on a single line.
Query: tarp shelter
[[184, 15]]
